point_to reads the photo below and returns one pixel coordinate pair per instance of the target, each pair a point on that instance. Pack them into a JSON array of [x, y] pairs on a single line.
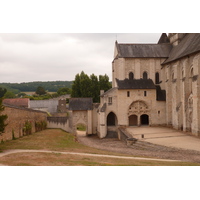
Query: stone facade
[[17, 116], [174, 66]]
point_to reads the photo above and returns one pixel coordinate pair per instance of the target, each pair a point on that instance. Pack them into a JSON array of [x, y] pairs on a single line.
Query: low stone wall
[[17, 116], [59, 122]]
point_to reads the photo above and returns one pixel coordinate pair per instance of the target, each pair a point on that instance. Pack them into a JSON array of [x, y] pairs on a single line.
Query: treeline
[[50, 86], [90, 86]]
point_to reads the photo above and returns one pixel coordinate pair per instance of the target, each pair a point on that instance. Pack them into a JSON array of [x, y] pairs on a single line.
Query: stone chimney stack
[[175, 38], [101, 92]]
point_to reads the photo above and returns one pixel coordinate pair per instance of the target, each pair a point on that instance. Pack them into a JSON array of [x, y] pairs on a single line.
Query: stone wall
[[49, 105], [59, 122], [17, 116], [182, 84]]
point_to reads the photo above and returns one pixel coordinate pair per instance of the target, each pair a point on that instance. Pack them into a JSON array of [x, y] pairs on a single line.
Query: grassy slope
[[58, 140]]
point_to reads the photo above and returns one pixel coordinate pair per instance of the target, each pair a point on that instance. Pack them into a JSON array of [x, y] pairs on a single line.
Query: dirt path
[[82, 154]]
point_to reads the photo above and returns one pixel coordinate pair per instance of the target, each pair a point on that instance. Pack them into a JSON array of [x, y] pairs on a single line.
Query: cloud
[[43, 57]]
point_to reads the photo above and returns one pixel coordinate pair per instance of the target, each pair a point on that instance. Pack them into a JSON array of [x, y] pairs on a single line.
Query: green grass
[[81, 127], [58, 140]]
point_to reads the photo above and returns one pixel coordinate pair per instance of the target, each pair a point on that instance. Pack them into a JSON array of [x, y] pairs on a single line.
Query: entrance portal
[[133, 120], [144, 119]]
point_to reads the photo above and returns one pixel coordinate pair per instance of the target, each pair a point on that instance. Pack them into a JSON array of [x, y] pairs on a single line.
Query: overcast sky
[[49, 57]]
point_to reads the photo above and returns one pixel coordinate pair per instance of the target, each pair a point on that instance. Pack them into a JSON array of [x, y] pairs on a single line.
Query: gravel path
[[140, 148], [81, 154]]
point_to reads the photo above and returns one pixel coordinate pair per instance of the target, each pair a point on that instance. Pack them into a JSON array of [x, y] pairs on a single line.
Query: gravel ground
[[140, 148]]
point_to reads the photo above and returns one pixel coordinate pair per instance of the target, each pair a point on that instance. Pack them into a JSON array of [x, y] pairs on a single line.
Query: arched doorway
[[112, 125], [111, 119], [144, 119], [133, 120], [81, 129]]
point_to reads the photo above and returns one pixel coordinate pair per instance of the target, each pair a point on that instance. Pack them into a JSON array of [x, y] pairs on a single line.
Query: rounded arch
[[133, 120], [131, 76], [144, 119], [145, 75], [111, 119], [138, 106]]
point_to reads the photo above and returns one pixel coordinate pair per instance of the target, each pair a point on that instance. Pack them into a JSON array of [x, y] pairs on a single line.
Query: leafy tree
[[40, 91], [104, 83], [9, 95], [2, 92], [64, 90], [2, 117], [76, 92], [85, 86], [94, 88]]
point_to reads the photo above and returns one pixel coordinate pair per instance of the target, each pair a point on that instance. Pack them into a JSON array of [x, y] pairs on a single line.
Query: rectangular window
[[109, 100], [128, 94], [145, 93]]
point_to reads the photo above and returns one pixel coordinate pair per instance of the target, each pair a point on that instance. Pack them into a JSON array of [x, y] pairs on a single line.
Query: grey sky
[[49, 57]]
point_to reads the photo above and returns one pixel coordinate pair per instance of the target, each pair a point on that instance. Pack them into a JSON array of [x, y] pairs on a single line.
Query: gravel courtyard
[[145, 148]]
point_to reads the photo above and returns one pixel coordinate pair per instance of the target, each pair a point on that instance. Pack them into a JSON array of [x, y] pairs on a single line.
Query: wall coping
[[22, 108]]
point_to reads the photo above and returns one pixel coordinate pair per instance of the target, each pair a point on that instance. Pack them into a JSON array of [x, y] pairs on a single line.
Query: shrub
[[27, 129]]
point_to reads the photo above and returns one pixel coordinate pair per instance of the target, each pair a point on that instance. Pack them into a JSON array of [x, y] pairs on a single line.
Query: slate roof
[[135, 84], [107, 92], [163, 39], [188, 45], [21, 102], [80, 104], [160, 94], [143, 50]]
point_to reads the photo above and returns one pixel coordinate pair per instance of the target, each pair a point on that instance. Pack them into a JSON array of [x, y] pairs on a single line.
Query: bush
[[27, 129]]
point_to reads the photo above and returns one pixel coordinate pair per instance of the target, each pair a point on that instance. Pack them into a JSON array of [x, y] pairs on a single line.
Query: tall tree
[[2, 117], [94, 87], [76, 92], [85, 86], [104, 83]]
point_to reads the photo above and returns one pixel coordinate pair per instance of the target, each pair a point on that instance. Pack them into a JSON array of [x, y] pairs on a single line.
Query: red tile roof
[[21, 102]]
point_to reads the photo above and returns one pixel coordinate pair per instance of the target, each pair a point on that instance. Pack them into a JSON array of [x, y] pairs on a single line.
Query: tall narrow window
[[128, 94], [145, 76], [131, 76], [109, 100], [157, 78], [145, 93]]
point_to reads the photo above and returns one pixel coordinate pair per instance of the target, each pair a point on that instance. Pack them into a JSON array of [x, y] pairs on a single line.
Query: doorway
[[144, 119]]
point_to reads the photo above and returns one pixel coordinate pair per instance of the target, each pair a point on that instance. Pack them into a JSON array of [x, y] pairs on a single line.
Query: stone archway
[[111, 119], [133, 120], [111, 125], [144, 119]]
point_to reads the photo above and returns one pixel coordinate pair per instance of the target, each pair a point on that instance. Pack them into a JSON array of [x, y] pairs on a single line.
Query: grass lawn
[[58, 140]]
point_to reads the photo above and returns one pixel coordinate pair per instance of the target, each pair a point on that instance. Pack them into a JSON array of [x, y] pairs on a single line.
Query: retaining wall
[[17, 116]]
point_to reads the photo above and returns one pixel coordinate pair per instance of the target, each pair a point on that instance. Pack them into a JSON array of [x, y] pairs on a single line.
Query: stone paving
[[166, 136]]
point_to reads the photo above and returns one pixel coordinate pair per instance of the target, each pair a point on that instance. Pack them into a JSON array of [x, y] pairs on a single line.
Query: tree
[[85, 86], [94, 87], [40, 91], [104, 83], [9, 95], [2, 117], [64, 90], [76, 92]]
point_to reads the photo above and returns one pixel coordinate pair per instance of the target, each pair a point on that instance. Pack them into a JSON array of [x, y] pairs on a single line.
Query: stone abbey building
[[152, 84]]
